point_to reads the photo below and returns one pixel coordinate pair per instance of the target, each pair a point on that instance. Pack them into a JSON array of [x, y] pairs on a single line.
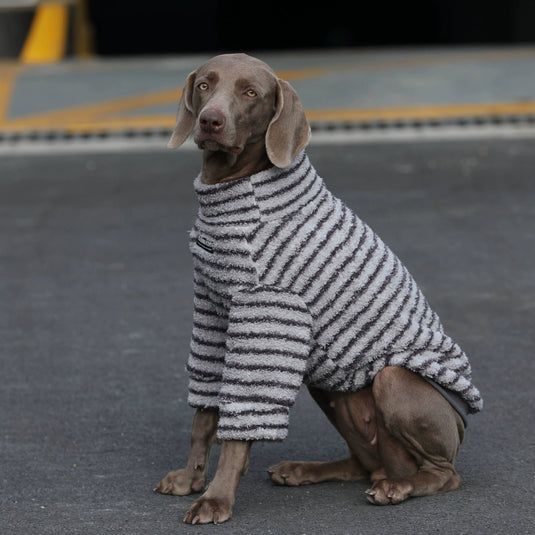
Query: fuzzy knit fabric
[[290, 286]]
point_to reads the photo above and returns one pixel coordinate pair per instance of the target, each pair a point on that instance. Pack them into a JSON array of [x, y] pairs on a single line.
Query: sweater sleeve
[[207, 349], [268, 343]]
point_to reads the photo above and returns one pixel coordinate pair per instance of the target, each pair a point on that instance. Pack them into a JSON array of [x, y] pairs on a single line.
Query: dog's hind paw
[[293, 473]]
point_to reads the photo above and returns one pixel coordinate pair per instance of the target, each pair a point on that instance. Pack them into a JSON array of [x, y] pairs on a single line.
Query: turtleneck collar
[[268, 195]]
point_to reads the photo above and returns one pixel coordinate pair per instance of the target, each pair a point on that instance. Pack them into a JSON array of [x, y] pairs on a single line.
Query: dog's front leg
[[216, 504], [192, 478]]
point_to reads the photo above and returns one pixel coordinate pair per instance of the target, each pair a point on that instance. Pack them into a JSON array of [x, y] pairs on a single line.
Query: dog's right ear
[[185, 118]]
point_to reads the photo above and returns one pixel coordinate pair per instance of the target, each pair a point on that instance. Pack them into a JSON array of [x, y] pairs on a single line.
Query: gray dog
[[292, 287]]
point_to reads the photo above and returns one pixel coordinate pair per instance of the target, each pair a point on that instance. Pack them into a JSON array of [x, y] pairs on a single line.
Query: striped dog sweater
[[290, 286]]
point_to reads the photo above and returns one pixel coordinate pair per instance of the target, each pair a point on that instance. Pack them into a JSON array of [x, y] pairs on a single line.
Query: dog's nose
[[211, 121]]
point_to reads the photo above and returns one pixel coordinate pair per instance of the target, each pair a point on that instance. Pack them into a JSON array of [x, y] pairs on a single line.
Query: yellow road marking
[[303, 74], [80, 123], [408, 113], [378, 64], [8, 75], [99, 114], [46, 40]]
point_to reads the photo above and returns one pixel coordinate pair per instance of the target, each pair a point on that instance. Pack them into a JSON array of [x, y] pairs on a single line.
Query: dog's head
[[233, 100]]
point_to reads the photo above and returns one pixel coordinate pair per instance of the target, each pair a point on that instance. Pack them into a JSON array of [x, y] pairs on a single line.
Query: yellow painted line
[[8, 76], [87, 122], [46, 40], [408, 113], [369, 64], [100, 114], [94, 125], [302, 74]]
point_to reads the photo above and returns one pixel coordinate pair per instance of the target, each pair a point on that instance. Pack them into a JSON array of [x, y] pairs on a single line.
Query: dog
[[291, 287]]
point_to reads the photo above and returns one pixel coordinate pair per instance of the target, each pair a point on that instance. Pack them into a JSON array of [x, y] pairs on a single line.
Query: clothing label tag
[[205, 243]]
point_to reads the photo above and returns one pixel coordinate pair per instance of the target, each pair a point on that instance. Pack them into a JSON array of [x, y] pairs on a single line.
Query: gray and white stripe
[[291, 286]]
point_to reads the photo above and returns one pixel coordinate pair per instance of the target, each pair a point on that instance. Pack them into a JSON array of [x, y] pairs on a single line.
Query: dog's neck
[[271, 194], [221, 166]]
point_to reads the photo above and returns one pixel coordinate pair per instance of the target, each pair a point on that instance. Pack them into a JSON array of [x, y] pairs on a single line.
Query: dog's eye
[[203, 86], [251, 93]]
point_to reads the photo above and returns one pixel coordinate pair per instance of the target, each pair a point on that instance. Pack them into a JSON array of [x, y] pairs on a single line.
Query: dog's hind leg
[[419, 435], [340, 410], [192, 478]]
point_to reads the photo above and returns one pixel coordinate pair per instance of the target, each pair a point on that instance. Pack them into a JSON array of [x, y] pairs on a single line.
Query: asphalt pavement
[[95, 317]]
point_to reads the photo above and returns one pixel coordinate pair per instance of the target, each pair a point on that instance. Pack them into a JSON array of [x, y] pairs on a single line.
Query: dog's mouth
[[213, 145]]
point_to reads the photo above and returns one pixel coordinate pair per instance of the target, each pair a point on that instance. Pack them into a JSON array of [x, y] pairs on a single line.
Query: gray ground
[[95, 305]]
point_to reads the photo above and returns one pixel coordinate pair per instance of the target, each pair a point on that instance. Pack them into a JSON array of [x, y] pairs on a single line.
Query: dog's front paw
[[389, 491], [206, 510], [180, 483]]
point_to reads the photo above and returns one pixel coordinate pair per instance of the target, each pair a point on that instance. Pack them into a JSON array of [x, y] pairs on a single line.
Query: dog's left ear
[[288, 132], [185, 118]]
